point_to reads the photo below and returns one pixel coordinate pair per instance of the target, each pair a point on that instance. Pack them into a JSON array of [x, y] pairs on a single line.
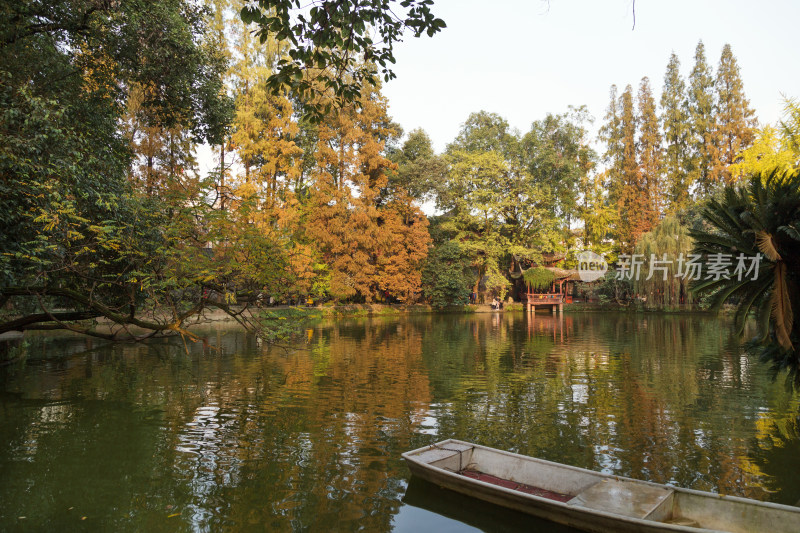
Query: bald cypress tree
[[610, 179], [702, 145], [650, 159], [677, 135], [611, 135], [632, 198], [735, 122]]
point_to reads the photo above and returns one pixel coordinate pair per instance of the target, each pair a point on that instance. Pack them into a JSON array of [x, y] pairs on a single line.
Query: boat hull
[[540, 509], [598, 503]]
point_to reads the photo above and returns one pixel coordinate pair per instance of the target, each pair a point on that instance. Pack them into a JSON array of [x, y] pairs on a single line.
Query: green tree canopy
[[558, 158], [445, 280], [419, 170], [74, 235], [337, 46], [538, 277], [701, 114], [486, 132], [665, 250], [677, 132]]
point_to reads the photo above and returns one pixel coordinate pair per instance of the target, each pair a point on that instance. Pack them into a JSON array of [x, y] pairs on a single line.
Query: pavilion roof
[[562, 273]]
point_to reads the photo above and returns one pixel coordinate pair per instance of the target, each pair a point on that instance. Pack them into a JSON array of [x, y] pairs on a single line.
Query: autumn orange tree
[[105, 215], [250, 216], [632, 178], [372, 244]]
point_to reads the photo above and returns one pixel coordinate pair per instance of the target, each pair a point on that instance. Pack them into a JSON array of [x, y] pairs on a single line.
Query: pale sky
[[523, 59]]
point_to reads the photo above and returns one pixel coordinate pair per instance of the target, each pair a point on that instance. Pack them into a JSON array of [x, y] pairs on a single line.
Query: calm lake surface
[[235, 436]]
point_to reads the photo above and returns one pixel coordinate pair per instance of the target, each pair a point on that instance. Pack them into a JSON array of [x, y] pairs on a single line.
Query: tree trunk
[[222, 175]]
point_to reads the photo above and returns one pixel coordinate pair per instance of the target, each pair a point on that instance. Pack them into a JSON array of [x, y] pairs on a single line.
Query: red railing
[[546, 299]]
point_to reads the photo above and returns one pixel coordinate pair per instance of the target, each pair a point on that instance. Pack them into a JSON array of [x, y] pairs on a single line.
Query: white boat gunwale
[[460, 479]]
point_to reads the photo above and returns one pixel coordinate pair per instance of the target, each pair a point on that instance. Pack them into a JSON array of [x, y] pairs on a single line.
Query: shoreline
[[12, 343], [211, 316], [371, 310]]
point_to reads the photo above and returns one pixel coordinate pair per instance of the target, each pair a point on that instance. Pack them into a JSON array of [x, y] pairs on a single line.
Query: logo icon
[[591, 266]]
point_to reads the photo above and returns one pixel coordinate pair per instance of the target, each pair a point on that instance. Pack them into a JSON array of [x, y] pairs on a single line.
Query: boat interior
[[594, 491]]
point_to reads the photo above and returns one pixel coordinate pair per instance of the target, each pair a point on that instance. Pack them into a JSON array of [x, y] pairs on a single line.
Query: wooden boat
[[589, 500]]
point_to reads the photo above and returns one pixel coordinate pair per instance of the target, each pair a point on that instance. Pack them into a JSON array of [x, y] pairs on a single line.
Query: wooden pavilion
[[559, 292]]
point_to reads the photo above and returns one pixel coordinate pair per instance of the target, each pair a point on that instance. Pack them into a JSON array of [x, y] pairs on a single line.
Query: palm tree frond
[[792, 230], [782, 307], [766, 244]]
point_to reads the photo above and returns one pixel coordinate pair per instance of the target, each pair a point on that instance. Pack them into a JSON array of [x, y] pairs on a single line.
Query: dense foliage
[[653, 170], [509, 197], [538, 278], [760, 217], [109, 228], [665, 251], [444, 278], [78, 241]]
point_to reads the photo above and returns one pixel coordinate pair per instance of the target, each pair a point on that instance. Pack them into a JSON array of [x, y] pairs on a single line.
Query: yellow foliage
[[768, 152], [99, 71]]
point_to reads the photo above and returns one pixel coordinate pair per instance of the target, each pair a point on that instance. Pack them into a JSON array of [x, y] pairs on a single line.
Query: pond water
[[307, 436]]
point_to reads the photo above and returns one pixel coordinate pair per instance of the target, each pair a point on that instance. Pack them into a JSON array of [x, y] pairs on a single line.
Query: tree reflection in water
[[303, 437]]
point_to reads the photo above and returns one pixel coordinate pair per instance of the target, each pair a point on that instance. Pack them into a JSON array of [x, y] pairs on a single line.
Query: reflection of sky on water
[[207, 445], [428, 425]]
